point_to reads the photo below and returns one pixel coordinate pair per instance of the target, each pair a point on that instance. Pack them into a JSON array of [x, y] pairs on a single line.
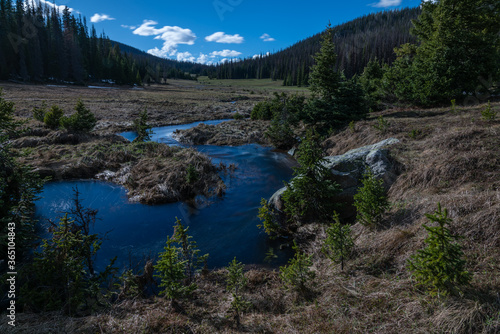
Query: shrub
[[488, 114], [371, 200], [338, 244], [39, 113], [52, 118], [237, 116], [81, 121], [192, 174], [280, 132], [267, 216], [382, 124], [440, 266], [297, 273]]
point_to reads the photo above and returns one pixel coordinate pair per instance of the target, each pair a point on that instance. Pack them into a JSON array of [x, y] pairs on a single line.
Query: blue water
[[164, 134], [223, 227]]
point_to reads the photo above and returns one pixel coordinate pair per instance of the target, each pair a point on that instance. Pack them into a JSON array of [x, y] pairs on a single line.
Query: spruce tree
[[297, 273], [371, 200], [189, 252], [309, 195], [235, 282], [142, 127], [338, 244], [440, 266], [458, 51], [171, 271], [335, 100]]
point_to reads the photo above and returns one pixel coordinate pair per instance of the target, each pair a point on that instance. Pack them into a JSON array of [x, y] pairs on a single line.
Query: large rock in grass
[[348, 169]]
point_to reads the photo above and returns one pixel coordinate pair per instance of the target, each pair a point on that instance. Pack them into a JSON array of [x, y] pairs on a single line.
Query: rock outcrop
[[348, 169]]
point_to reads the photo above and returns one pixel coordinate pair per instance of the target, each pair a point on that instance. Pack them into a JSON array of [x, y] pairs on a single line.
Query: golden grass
[[452, 158]]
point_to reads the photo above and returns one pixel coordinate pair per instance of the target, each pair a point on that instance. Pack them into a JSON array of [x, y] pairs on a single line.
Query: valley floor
[[446, 157]]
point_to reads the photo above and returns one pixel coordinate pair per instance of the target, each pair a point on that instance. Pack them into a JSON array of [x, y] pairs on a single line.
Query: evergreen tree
[[310, 193], [336, 101], [371, 200], [81, 121], [142, 127], [297, 273], [171, 271], [235, 282], [440, 266], [338, 244], [459, 48], [189, 252], [19, 188]]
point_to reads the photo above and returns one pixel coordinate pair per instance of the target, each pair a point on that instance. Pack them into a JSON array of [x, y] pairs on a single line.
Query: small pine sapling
[[488, 114], [235, 282], [440, 266], [171, 272], [189, 252], [338, 244], [371, 200], [52, 118], [142, 127], [297, 273]]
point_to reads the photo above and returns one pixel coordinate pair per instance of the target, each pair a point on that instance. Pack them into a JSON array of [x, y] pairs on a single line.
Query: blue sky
[[210, 31]]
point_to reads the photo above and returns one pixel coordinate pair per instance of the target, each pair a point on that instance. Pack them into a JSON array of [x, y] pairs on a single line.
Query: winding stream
[[223, 227]]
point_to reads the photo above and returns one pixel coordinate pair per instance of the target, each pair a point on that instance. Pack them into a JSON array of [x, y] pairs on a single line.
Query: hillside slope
[[357, 41]]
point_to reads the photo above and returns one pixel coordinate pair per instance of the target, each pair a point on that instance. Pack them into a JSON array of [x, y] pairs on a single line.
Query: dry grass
[[444, 157]]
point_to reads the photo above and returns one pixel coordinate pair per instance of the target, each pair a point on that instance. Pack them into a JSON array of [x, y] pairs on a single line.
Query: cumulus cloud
[[128, 27], [268, 38], [185, 56], [52, 5], [225, 53], [386, 3], [101, 17], [221, 37], [171, 36]]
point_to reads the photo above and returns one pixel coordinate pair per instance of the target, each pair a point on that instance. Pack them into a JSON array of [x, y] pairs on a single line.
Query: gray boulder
[[348, 169]]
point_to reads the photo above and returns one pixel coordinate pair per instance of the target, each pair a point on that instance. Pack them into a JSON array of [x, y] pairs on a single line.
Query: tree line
[[356, 42], [39, 43]]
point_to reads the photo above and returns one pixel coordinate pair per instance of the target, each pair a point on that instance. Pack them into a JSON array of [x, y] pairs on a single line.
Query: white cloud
[[101, 17], [386, 3], [256, 56], [185, 56], [128, 27], [225, 53], [171, 36], [267, 38], [52, 5], [220, 37], [204, 59]]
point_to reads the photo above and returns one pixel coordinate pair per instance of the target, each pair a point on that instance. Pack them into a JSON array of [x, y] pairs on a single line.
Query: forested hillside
[[368, 37], [38, 43]]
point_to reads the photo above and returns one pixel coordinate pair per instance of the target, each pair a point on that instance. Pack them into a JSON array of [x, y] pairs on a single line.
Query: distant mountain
[[41, 44], [184, 66], [357, 41]]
